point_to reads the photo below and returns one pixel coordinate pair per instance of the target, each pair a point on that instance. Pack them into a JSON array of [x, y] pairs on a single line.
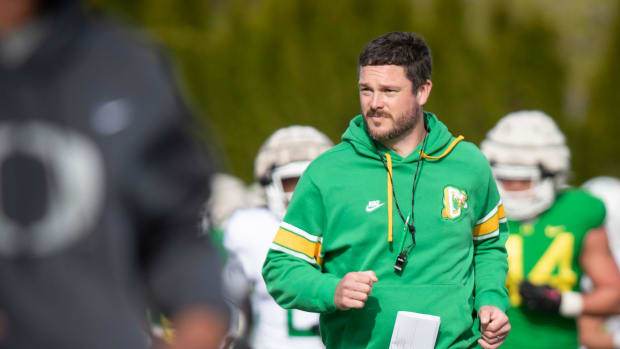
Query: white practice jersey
[[608, 190], [247, 238]]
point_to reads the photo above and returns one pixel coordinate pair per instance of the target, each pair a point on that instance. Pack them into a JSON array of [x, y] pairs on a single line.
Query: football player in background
[[597, 332], [248, 235], [555, 233]]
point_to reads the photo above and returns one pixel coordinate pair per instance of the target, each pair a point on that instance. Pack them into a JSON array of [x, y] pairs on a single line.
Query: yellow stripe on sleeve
[[319, 261], [500, 212], [298, 243], [489, 226]]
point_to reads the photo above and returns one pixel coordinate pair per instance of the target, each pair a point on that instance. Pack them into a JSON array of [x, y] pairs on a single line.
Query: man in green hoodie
[[399, 217]]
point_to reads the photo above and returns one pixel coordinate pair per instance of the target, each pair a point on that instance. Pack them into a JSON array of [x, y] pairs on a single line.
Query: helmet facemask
[[278, 197], [526, 203]]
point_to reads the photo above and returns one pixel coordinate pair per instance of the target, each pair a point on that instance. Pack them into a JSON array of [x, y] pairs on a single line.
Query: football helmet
[[285, 155], [528, 146], [228, 193]]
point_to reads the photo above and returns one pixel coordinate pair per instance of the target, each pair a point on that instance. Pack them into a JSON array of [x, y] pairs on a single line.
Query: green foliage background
[[252, 66]]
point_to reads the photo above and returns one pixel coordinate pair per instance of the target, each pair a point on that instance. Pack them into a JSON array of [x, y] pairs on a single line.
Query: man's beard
[[401, 126]]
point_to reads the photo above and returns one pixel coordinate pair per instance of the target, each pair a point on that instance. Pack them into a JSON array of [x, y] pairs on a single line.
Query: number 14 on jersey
[[553, 268]]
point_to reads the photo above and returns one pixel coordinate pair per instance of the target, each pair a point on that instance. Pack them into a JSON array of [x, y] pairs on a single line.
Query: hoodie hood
[[439, 141]]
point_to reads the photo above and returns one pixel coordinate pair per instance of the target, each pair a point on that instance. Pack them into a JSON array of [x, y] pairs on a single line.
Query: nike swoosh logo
[[372, 208]]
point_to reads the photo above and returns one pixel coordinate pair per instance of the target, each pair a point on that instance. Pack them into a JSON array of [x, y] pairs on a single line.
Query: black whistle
[[400, 262]]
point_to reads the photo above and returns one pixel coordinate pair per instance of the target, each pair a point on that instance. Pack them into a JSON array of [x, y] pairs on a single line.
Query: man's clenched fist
[[494, 327], [354, 288]]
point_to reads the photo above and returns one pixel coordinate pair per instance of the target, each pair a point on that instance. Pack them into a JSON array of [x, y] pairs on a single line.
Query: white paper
[[414, 331]]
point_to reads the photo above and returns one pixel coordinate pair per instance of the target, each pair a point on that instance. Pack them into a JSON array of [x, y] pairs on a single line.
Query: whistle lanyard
[[404, 251]]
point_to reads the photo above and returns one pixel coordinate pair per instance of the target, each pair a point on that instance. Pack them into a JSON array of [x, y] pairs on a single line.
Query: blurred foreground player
[[555, 234], [249, 233], [598, 332], [100, 189]]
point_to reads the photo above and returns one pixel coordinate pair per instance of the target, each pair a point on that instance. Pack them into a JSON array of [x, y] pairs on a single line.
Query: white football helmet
[[608, 190], [286, 154], [528, 145], [228, 193]]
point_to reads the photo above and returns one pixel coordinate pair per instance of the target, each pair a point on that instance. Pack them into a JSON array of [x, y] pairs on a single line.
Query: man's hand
[[354, 288], [541, 298], [494, 327]]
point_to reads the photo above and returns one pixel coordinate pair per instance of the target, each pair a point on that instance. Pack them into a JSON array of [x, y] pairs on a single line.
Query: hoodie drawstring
[[389, 181], [389, 195], [449, 149]]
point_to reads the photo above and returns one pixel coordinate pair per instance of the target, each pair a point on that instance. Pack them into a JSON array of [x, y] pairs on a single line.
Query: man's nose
[[377, 101]]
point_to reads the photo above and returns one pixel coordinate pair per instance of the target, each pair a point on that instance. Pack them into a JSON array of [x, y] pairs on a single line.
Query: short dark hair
[[404, 49]]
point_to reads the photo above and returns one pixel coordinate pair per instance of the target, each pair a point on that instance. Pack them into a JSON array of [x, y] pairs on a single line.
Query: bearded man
[[400, 208]]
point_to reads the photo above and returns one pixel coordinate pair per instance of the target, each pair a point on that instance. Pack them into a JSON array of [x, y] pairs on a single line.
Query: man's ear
[[423, 92]]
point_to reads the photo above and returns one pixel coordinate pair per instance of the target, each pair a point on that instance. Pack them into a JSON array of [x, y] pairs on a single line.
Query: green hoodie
[[343, 216]]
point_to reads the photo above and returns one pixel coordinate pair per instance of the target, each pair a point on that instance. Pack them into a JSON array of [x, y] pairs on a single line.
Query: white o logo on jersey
[[74, 181]]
